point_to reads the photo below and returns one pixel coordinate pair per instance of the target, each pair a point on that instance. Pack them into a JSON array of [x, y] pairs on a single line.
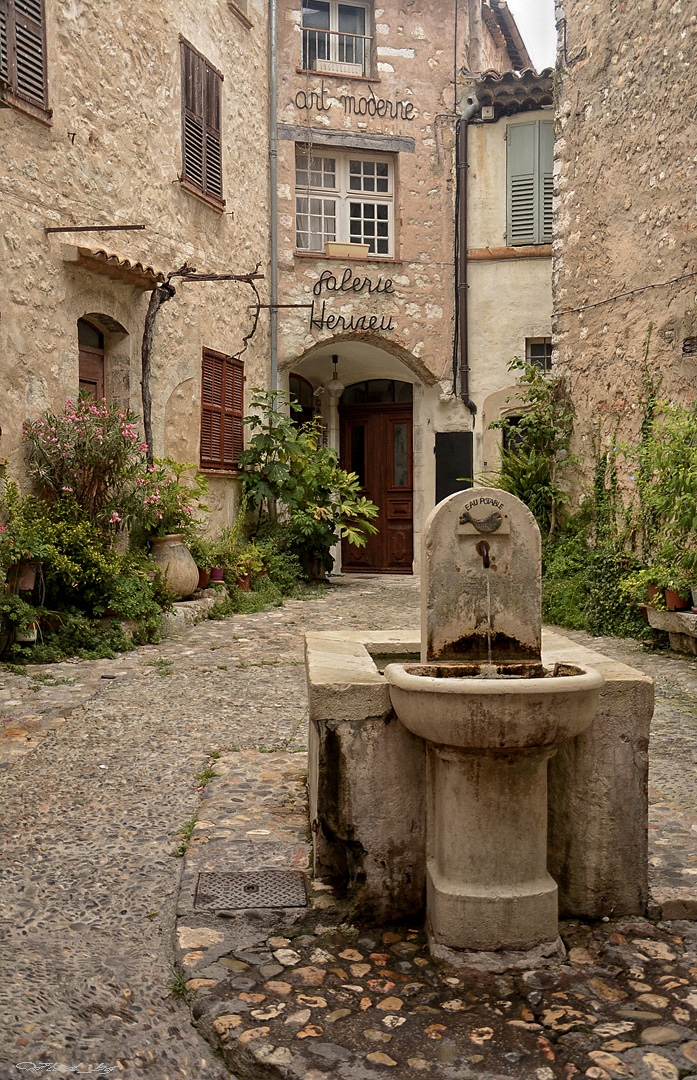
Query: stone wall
[[625, 208], [112, 155]]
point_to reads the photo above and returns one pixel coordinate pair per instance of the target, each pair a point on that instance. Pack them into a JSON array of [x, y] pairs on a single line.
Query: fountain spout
[[483, 550]]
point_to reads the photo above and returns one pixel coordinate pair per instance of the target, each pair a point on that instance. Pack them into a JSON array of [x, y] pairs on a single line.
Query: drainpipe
[[462, 343], [273, 190]]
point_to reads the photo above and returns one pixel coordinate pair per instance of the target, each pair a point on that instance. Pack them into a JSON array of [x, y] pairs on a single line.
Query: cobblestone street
[[101, 762]]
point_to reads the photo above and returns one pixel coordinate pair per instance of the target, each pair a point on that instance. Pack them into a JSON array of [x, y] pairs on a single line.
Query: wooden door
[[376, 443]]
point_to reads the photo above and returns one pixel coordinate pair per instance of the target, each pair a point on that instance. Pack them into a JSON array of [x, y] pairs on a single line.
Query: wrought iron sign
[[321, 100], [348, 282]]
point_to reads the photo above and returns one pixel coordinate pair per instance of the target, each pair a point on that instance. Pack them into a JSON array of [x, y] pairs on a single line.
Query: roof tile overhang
[[511, 92], [502, 26], [99, 261]]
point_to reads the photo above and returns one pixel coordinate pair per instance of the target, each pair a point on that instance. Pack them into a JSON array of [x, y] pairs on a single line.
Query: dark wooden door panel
[[376, 444]]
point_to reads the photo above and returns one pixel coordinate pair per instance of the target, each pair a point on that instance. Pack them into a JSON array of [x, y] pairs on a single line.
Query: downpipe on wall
[[273, 190], [461, 349]]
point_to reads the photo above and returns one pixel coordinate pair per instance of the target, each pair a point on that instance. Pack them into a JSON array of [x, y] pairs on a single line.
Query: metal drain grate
[[251, 889]]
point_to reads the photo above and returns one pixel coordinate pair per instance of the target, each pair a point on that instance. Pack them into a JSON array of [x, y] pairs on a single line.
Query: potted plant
[[171, 495], [249, 561], [201, 550], [23, 540]]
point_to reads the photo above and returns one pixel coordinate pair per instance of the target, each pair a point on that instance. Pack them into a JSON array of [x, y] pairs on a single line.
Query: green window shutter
[[529, 167], [546, 175], [521, 187]]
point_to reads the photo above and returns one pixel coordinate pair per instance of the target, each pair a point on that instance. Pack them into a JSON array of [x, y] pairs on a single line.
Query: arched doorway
[[91, 348], [376, 443]]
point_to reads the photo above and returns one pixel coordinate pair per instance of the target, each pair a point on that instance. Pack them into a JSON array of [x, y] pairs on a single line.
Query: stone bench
[[681, 627], [367, 781]]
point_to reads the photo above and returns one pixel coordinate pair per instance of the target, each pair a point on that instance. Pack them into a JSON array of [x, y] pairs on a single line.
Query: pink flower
[[143, 446], [114, 518], [66, 489]]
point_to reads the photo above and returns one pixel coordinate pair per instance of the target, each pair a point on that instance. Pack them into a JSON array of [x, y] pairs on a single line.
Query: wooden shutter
[[23, 53], [521, 160], [222, 410], [530, 159], [3, 41], [213, 148], [201, 124], [546, 169]]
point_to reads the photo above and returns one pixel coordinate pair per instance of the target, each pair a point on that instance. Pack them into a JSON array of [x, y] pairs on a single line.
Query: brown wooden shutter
[[3, 40], [222, 409], [192, 115], [201, 124], [23, 53], [213, 149]]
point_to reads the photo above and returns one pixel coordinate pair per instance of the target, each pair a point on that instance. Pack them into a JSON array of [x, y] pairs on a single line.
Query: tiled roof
[[112, 265], [511, 92]]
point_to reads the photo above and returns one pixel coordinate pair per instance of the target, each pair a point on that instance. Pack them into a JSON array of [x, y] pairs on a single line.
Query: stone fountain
[[492, 716], [483, 769]]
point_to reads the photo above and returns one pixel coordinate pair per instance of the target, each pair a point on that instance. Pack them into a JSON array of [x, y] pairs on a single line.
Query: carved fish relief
[[483, 525]]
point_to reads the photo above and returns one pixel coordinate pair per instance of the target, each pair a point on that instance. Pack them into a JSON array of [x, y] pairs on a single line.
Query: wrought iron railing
[[337, 52]]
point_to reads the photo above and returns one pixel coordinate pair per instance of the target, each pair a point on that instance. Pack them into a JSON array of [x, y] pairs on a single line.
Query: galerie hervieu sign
[[349, 282]]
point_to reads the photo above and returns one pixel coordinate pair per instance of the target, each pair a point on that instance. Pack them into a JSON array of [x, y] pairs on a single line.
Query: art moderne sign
[[356, 284], [370, 105]]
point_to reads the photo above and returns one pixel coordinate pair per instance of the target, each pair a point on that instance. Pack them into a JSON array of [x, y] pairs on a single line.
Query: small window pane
[[400, 464], [403, 391], [380, 391], [316, 14], [358, 453]]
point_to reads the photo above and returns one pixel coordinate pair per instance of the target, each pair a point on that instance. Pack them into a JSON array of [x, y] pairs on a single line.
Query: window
[[345, 199], [538, 351], [529, 183], [202, 168], [335, 37], [91, 352], [303, 393], [23, 55], [222, 410]]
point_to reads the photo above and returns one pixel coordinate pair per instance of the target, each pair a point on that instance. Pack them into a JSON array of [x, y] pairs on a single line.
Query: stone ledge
[[187, 613], [681, 627]]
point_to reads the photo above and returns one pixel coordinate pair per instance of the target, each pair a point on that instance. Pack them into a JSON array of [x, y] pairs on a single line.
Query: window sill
[[346, 258], [239, 14], [520, 251], [44, 116], [212, 470], [338, 75], [215, 204]]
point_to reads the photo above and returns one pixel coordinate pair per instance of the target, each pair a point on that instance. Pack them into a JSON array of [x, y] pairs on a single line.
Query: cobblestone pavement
[[100, 775], [99, 763]]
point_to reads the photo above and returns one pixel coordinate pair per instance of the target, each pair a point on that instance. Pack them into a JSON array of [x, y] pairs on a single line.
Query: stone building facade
[[624, 247], [369, 99], [148, 115]]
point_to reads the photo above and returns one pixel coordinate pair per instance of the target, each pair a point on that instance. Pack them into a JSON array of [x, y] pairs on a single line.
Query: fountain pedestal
[[487, 874]]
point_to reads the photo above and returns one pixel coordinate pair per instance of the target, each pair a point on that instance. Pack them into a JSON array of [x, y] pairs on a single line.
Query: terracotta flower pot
[[654, 592], [174, 558], [203, 576], [22, 576], [243, 582], [675, 601]]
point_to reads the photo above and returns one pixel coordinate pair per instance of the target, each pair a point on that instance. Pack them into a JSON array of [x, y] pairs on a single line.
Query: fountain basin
[[489, 737], [521, 705]]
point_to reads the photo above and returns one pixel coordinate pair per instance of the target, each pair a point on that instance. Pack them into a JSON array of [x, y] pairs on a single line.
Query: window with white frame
[[348, 198], [336, 37], [538, 352]]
